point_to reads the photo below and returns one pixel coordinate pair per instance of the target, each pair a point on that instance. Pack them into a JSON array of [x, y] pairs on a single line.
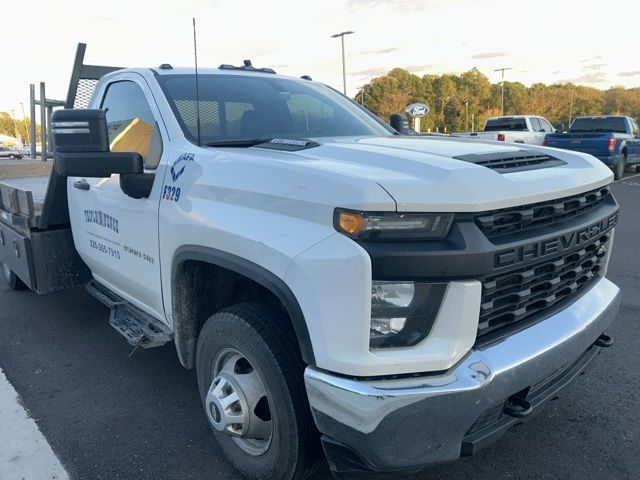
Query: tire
[[11, 278], [266, 344], [12, 157], [618, 169]]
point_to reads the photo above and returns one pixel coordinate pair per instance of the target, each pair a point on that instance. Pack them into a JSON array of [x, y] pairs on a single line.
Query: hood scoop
[[513, 161]]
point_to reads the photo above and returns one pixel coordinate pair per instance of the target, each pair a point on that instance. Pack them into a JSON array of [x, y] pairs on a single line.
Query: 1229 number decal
[[171, 193]]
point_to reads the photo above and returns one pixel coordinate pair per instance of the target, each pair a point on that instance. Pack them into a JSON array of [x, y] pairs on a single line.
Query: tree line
[[460, 102], [14, 127]]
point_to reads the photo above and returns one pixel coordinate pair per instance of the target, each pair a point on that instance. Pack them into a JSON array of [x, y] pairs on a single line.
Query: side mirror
[[81, 146], [399, 123]]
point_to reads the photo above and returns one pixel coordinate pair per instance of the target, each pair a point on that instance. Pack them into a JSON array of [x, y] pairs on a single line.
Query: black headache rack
[[36, 242]]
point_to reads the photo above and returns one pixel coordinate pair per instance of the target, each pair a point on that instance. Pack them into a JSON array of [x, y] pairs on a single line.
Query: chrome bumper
[[408, 423]]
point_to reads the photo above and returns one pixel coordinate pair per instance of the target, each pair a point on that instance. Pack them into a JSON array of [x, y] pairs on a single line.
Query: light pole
[[15, 124], [362, 92], [502, 83], [571, 107], [344, 68], [24, 117], [466, 115]]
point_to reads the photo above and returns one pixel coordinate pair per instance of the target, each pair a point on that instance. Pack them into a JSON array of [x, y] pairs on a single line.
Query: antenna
[[195, 56]]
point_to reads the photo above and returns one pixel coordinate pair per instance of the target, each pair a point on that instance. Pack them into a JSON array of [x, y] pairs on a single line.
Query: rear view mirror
[[399, 123], [81, 146], [97, 164]]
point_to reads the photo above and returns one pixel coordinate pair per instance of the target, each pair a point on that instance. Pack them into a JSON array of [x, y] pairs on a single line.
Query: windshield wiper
[[238, 143]]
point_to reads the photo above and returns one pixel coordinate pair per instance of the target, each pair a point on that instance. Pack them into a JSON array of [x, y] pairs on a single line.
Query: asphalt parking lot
[[111, 414]]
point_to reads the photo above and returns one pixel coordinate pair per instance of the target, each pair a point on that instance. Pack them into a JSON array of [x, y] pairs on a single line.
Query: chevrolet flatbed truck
[[388, 302]]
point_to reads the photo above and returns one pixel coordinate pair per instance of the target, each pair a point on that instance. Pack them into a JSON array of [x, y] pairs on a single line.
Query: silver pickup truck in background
[[528, 129]]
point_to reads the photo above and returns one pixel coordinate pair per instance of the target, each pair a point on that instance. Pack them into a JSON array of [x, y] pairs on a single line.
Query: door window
[[535, 125], [546, 126], [131, 125]]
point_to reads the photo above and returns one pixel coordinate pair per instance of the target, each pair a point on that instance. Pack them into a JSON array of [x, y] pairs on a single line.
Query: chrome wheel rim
[[237, 404]]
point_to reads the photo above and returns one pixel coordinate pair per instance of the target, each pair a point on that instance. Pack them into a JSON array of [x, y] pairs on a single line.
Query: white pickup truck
[[529, 129], [400, 301]]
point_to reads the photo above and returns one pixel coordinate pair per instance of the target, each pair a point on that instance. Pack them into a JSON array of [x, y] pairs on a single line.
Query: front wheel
[[250, 376], [12, 157], [618, 169], [11, 278]]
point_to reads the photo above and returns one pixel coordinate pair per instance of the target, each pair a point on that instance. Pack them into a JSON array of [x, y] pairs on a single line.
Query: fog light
[[403, 313], [385, 326]]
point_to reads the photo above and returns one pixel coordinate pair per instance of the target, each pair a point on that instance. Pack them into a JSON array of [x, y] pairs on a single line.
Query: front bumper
[[408, 423]]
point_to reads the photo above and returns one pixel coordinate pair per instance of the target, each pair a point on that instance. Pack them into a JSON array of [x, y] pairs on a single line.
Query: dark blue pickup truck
[[613, 139]]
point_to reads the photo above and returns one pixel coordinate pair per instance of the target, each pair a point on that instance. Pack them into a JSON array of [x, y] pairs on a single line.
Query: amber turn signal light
[[351, 222]]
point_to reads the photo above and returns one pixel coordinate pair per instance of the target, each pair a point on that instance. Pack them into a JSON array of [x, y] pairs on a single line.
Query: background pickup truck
[[615, 140], [528, 129], [388, 301]]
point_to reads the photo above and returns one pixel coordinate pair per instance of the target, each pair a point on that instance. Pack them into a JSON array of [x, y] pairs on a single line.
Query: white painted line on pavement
[[24, 452]]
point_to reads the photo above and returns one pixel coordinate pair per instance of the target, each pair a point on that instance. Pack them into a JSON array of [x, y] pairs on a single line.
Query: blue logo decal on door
[[179, 165]]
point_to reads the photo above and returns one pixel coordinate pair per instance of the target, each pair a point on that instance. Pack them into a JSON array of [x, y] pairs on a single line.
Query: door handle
[[81, 185]]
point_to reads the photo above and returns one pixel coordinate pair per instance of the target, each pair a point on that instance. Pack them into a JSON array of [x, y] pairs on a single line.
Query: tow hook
[[604, 341], [518, 407]]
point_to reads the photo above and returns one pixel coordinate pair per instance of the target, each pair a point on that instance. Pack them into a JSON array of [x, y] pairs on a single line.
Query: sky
[[588, 42]]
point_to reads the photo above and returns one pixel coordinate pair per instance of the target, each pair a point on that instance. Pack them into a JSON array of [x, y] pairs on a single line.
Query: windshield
[[238, 107], [599, 124], [506, 123]]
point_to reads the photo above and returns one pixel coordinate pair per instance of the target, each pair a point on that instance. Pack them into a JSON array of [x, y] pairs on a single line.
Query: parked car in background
[[7, 152], [613, 139], [528, 129]]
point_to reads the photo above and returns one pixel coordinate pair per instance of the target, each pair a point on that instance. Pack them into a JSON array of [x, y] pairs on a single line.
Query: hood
[[421, 174]]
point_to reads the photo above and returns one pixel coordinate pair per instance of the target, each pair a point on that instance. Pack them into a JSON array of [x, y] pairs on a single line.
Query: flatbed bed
[[35, 235], [22, 199]]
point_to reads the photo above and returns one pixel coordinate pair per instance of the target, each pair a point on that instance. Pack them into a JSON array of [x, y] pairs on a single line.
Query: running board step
[[138, 327]]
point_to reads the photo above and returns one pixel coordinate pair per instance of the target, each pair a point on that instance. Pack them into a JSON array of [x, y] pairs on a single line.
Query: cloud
[[585, 60], [489, 55], [378, 71], [557, 72], [371, 72], [631, 73], [379, 51], [592, 77], [595, 66], [419, 68]]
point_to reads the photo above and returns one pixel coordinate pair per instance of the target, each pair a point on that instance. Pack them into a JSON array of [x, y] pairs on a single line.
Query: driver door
[[116, 235]]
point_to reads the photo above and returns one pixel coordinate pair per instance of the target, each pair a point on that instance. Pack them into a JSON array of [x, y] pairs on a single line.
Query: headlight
[[403, 313], [392, 225]]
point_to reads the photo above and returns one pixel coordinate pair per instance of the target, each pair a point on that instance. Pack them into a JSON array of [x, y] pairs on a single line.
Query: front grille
[[522, 293], [527, 217], [512, 161]]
